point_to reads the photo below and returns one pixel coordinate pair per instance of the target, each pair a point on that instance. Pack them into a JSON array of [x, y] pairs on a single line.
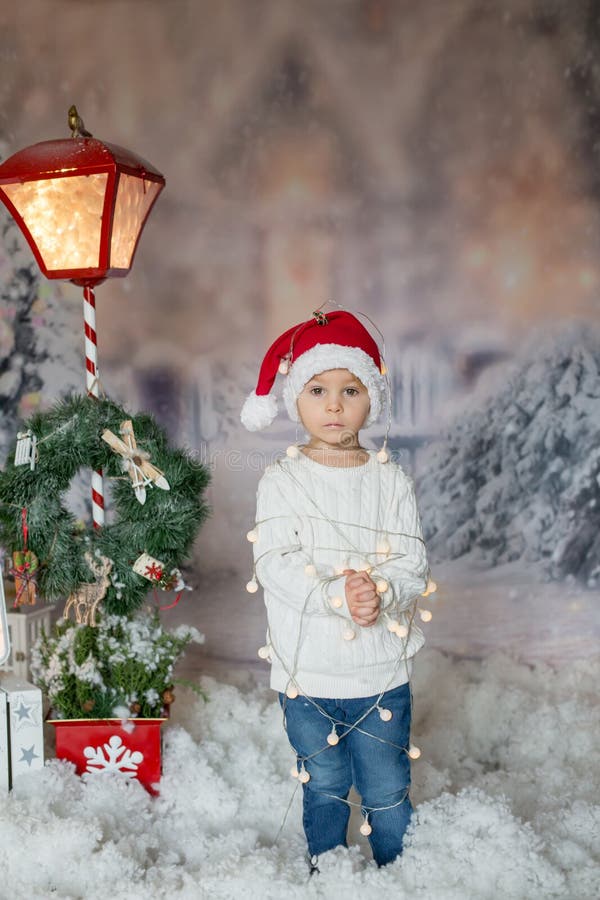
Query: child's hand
[[362, 597]]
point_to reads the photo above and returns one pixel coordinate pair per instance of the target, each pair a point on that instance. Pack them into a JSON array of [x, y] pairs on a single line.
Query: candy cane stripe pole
[[91, 383]]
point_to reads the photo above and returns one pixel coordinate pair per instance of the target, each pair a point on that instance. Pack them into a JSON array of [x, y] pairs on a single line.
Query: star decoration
[[28, 755], [24, 712]]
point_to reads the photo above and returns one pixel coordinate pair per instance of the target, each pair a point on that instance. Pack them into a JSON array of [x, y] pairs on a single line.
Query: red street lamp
[[82, 205]]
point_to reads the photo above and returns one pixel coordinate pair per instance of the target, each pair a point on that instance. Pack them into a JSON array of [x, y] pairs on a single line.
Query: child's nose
[[335, 402]]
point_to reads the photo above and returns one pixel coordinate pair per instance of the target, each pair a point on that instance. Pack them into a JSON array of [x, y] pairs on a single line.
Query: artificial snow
[[506, 793], [518, 476]]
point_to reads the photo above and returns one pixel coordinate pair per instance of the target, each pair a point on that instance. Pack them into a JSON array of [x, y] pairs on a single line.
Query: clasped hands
[[362, 598]]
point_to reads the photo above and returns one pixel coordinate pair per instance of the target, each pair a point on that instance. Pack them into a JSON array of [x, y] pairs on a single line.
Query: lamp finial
[[76, 124]]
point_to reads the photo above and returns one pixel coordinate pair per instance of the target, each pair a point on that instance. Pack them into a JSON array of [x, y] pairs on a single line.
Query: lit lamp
[[82, 205]]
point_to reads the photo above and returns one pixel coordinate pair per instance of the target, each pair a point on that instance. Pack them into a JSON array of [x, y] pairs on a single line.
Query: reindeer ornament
[[86, 598]]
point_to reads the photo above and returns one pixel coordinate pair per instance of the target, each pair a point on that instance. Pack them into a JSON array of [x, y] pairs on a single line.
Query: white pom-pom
[[292, 451], [258, 411], [382, 456], [426, 615], [252, 536], [385, 714], [414, 752], [337, 602], [252, 586]]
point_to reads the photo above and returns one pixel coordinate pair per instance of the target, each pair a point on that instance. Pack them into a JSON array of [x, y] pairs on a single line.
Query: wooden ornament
[[136, 462], [25, 566], [86, 599]]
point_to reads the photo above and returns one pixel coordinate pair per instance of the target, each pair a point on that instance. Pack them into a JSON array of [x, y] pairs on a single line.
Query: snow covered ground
[[506, 796], [506, 791]]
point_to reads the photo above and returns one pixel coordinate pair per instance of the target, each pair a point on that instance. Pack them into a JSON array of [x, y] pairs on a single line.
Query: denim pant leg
[[325, 817], [381, 771]]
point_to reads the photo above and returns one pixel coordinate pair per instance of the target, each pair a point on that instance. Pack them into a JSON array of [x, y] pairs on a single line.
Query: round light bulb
[[291, 691], [349, 634], [414, 752], [364, 567], [252, 536], [294, 771], [337, 602], [401, 631], [383, 547], [382, 456], [252, 587], [385, 715], [263, 652], [393, 625], [303, 776], [338, 570], [381, 586], [310, 570], [430, 589], [365, 828], [284, 367], [426, 615], [333, 737], [292, 451]]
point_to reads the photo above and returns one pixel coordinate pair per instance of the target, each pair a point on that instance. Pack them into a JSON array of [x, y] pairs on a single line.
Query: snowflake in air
[[113, 757]]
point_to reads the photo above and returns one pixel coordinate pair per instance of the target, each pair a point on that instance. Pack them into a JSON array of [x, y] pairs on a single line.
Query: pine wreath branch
[[69, 438]]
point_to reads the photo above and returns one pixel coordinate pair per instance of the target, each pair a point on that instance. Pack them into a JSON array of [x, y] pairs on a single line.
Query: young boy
[[339, 552]]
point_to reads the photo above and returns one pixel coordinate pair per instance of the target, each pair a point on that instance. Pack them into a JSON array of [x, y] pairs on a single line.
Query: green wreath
[[69, 438]]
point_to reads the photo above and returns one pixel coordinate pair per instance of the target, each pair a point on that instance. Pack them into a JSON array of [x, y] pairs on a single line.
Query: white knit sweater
[[313, 521]]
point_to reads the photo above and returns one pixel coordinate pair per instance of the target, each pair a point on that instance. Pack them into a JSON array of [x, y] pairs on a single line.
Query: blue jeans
[[373, 757]]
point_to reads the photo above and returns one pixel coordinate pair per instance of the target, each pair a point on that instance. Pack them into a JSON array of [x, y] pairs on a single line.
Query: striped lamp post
[[91, 383], [82, 205]]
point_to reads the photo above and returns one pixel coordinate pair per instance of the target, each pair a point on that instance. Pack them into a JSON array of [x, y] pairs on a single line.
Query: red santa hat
[[335, 340]]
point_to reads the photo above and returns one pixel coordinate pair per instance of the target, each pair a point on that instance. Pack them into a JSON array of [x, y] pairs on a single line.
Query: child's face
[[333, 407]]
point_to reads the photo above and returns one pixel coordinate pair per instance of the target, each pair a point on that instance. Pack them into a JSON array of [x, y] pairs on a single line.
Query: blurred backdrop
[[434, 165]]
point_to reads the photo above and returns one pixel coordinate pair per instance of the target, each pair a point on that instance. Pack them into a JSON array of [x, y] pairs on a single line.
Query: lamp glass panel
[[64, 217], [135, 196]]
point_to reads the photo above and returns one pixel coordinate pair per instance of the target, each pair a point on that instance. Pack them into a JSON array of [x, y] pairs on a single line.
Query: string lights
[[399, 622]]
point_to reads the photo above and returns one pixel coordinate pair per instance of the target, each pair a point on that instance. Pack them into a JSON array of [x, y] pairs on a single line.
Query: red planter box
[[105, 745]]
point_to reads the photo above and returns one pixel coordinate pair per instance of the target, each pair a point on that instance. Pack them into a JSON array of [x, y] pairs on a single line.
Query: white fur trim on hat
[[258, 411], [323, 357]]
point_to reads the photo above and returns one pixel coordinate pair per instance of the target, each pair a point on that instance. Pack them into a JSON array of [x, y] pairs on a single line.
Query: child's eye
[[352, 392], [317, 391]]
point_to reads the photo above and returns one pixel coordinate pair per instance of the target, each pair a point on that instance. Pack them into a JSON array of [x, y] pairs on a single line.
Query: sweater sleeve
[[406, 569], [281, 560]]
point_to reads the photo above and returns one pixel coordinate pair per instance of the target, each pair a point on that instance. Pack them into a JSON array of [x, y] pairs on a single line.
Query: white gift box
[[21, 729]]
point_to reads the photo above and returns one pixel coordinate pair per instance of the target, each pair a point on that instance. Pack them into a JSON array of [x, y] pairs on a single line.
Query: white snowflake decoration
[[113, 757]]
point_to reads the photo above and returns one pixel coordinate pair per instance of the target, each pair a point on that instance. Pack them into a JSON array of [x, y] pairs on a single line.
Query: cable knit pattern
[[329, 518]]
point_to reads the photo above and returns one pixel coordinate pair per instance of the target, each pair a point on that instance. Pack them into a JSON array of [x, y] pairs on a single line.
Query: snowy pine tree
[[40, 335], [519, 477]]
